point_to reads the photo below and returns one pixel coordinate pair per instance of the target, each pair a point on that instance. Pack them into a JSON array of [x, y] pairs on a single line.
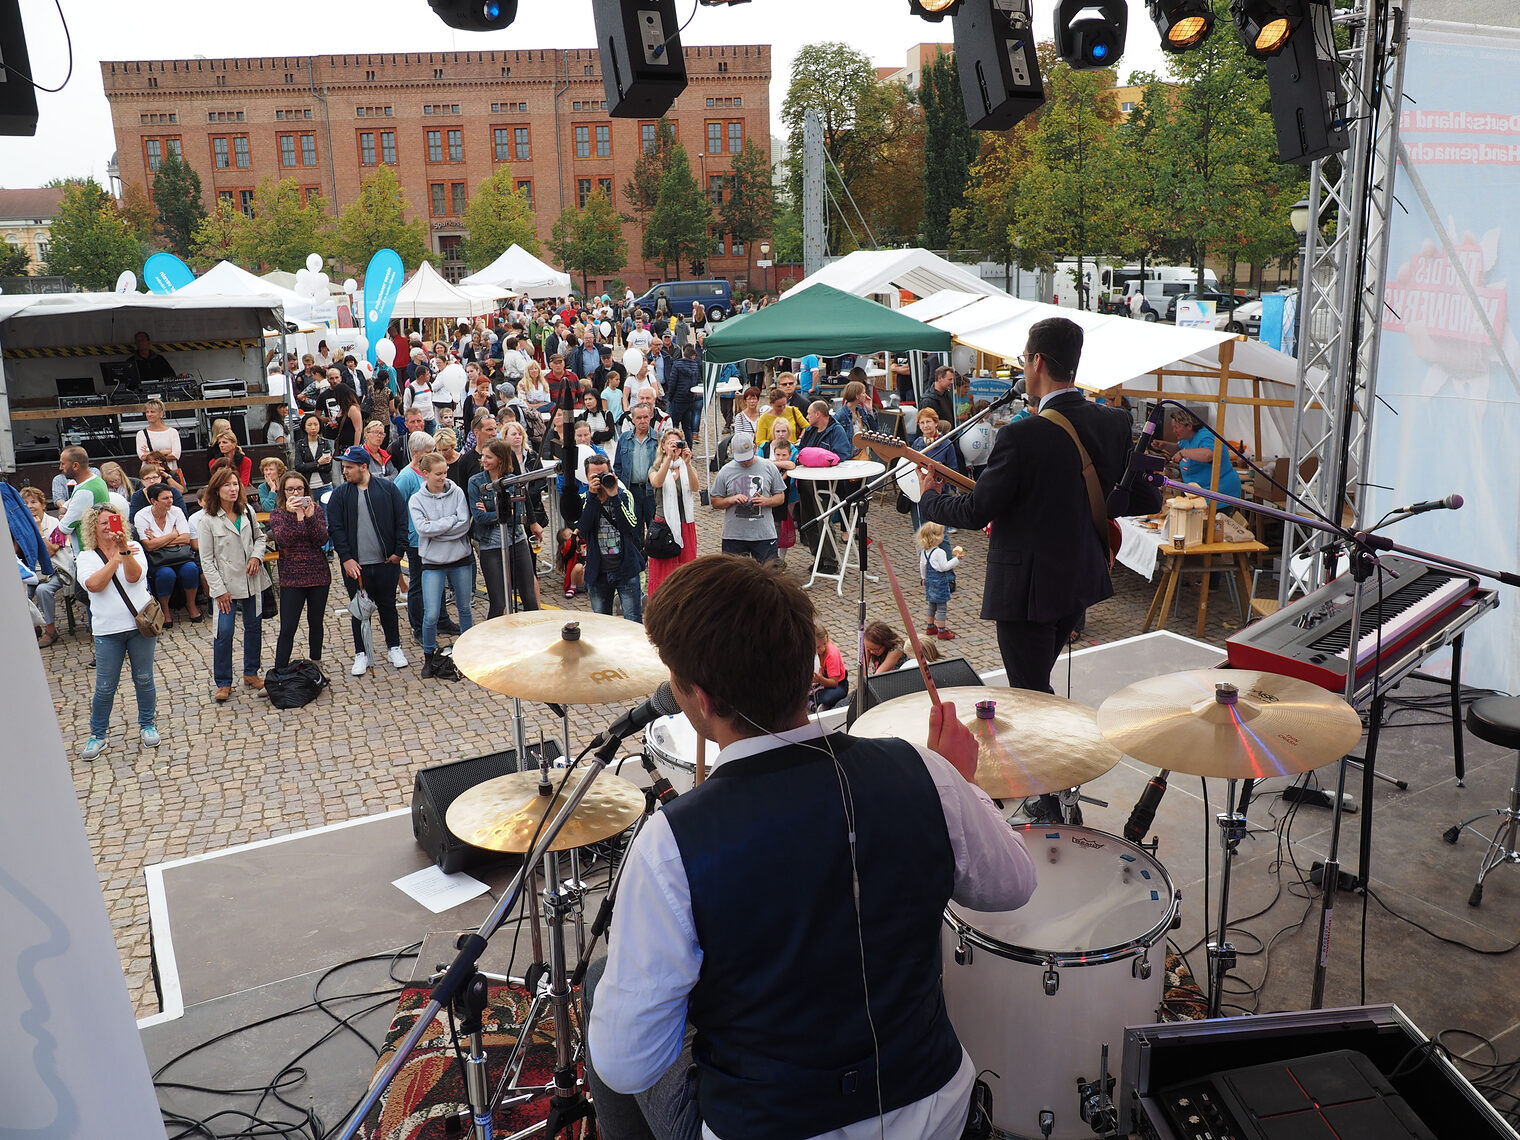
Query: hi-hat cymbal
[[1034, 743], [503, 813], [1276, 725], [561, 658]]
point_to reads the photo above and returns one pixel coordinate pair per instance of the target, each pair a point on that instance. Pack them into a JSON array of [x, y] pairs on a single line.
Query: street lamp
[[1300, 215], [765, 264]]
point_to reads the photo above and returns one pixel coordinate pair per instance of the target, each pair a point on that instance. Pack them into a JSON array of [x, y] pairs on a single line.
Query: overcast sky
[[74, 133]]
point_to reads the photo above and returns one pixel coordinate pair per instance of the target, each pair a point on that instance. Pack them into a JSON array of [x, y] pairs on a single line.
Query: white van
[[1115, 282]]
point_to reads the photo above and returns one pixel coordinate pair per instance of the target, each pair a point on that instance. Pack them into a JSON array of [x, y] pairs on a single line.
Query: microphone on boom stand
[[1144, 813], [1141, 462]]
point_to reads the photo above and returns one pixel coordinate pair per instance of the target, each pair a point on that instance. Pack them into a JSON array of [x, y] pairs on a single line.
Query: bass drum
[[672, 744], [976, 444], [1035, 993]]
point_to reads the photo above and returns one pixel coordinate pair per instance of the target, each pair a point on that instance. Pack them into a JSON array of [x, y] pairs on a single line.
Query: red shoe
[[945, 635], [931, 630]]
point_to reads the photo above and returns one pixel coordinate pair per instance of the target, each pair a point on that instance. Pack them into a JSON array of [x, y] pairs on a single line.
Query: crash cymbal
[[503, 813], [1034, 743], [1269, 726], [559, 657]]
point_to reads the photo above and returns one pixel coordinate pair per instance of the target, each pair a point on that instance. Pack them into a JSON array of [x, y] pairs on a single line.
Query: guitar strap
[[1095, 498]]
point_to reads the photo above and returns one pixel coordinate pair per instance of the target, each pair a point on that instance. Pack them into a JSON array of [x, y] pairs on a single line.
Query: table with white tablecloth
[[827, 480]]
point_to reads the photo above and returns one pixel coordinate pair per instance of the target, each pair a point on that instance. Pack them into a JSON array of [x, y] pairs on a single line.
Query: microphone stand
[[1364, 548], [513, 490]]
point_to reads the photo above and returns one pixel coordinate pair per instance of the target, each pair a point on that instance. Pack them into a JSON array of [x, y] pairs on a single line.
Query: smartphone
[[115, 524]]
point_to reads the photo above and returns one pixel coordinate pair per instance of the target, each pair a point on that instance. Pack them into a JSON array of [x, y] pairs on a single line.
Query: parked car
[[717, 297], [1246, 319], [1157, 296], [1224, 304]]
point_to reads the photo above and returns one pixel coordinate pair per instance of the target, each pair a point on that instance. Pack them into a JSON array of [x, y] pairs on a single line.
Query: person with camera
[[747, 490], [614, 557], [674, 479], [299, 530]]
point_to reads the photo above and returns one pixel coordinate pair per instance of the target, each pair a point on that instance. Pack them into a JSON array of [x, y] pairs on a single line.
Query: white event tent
[[225, 279], [427, 294], [878, 273], [518, 270]]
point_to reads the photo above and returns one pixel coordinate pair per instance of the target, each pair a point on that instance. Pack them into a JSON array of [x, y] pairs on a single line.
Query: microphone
[[1118, 498], [1144, 813], [1450, 503], [662, 702], [659, 785]]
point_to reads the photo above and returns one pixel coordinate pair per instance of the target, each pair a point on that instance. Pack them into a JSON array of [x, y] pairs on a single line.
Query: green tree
[[986, 221], [590, 240], [680, 225], [950, 147], [498, 216], [283, 230], [750, 204], [642, 190], [89, 242], [140, 214], [376, 220], [1149, 225], [177, 194], [786, 230], [222, 236], [14, 261]]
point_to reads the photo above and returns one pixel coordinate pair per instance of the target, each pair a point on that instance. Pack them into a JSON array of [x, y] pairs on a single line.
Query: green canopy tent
[[820, 320]]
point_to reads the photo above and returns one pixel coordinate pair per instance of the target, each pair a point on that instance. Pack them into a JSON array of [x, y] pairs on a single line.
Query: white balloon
[[385, 351], [633, 360], [361, 346], [325, 279], [314, 262], [606, 328], [301, 275], [350, 285], [127, 282]]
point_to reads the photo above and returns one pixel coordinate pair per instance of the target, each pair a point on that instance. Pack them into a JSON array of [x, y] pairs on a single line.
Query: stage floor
[[248, 932]]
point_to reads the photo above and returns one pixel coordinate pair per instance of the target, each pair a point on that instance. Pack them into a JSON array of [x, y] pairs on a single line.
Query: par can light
[[933, 10], [1183, 24], [1265, 25]]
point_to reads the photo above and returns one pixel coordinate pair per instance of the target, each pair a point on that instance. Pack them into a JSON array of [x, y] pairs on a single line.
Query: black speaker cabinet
[[1000, 74], [439, 786], [643, 67], [1308, 104], [947, 674]]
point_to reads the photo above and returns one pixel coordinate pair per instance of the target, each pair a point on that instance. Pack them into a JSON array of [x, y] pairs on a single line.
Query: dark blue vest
[[783, 1045]]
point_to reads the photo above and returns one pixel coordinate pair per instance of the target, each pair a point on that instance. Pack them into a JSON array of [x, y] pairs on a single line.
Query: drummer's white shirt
[[638, 1020]]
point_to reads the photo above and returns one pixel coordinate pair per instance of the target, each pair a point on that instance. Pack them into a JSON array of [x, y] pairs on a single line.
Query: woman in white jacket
[[440, 515], [232, 559]]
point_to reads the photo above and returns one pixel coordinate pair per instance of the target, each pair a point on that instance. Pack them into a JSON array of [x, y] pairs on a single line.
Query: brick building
[[445, 121]]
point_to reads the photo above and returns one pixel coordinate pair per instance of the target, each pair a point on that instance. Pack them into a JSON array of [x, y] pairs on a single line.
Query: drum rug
[[1182, 1000], [428, 1093]]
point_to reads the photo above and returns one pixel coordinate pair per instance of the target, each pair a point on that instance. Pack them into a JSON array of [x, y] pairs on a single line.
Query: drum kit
[[1039, 996]]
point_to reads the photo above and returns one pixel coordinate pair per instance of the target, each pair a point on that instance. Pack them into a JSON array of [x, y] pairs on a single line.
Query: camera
[[608, 480]]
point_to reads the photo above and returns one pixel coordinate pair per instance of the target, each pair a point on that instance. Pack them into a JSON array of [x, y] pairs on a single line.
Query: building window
[[366, 148], [221, 156], [720, 248], [738, 100], [738, 248], [435, 146], [240, 150], [388, 147], [714, 138], [457, 197], [440, 193], [715, 189], [42, 252], [245, 202], [525, 188], [308, 193], [155, 149], [225, 196], [735, 136], [308, 150], [501, 143], [582, 191], [1127, 107], [605, 186], [520, 143], [722, 65], [287, 150], [456, 146], [507, 108], [648, 133], [604, 141], [582, 142]]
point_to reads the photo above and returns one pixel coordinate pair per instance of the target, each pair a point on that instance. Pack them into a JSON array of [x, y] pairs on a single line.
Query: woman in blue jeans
[[441, 517], [232, 558], [163, 530], [113, 570]]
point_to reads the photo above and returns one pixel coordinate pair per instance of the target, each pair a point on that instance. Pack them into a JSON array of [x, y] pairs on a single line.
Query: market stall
[[518, 270]]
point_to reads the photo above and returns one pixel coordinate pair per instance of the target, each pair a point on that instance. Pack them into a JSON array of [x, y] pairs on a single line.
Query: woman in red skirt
[[674, 479]]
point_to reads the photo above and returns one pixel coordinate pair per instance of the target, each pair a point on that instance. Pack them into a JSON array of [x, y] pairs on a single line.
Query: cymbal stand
[[1232, 829], [513, 490], [1071, 799]]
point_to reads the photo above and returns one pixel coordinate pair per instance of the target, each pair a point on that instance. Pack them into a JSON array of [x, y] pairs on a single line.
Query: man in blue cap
[[367, 522]]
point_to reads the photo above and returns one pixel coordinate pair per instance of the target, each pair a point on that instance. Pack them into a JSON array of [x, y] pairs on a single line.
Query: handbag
[[659, 540], [295, 685], [176, 555], [786, 534], [149, 619]]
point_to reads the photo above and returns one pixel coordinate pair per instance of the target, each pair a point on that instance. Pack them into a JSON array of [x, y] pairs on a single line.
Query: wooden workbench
[[1166, 589]]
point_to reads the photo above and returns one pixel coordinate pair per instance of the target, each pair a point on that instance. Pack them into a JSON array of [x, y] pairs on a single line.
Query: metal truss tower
[[1341, 298]]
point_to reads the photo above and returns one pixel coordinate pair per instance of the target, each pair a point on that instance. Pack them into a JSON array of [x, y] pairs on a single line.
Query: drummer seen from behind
[[761, 908]]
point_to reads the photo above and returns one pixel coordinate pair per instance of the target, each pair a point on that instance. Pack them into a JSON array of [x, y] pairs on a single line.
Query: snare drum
[[672, 744], [1035, 993]]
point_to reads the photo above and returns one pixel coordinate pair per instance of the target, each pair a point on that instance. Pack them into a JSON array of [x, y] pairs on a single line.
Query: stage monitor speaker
[[18, 98], [643, 67], [948, 674], [1308, 104], [1000, 74], [437, 787]]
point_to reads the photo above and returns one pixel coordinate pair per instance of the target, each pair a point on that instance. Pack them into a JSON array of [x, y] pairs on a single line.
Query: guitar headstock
[[878, 441]]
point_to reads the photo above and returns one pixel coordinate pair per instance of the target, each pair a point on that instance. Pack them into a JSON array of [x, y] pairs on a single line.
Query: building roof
[[38, 202]]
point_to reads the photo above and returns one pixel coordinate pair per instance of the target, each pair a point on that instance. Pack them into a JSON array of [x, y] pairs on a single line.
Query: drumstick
[[701, 760], [902, 608]]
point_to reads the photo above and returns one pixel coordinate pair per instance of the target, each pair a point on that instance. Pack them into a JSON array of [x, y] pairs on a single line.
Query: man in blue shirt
[[636, 450], [1195, 454]]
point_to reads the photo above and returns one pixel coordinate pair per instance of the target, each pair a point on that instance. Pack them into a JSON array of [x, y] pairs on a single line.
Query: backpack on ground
[[295, 685]]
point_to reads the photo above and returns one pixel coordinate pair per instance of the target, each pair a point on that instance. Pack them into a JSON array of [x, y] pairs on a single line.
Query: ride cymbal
[[503, 813], [1258, 725], [1034, 743], [561, 658]]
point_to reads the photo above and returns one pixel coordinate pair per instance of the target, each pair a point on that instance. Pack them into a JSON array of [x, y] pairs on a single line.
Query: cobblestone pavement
[[245, 771]]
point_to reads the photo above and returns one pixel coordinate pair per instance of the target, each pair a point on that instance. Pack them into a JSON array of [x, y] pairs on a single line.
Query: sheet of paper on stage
[[440, 892]]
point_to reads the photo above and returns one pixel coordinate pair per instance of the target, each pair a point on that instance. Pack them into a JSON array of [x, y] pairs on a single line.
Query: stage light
[[475, 15], [1265, 25], [1308, 101], [1183, 24], [933, 10], [643, 63], [1090, 33]]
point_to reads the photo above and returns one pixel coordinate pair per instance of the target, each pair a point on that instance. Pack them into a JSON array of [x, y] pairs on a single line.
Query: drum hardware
[[1050, 980], [1095, 1100]]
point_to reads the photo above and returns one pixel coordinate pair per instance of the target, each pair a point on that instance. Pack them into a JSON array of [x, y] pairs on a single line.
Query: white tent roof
[[1117, 350], [227, 280], [45, 320], [520, 271], [873, 272], [427, 294], [492, 293]]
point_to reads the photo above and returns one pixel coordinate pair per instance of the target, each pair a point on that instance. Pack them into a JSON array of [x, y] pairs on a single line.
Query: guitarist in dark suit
[[1047, 561]]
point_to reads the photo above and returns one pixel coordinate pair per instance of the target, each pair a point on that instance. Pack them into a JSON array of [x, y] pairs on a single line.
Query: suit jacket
[[1045, 560]]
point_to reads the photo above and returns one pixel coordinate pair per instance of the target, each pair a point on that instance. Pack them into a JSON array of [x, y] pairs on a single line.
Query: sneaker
[[150, 737], [398, 659], [361, 664], [94, 747], [945, 635]]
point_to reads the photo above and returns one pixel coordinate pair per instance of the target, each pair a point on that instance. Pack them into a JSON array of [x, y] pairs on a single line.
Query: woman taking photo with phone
[[674, 478], [114, 573], [299, 531], [232, 557]]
